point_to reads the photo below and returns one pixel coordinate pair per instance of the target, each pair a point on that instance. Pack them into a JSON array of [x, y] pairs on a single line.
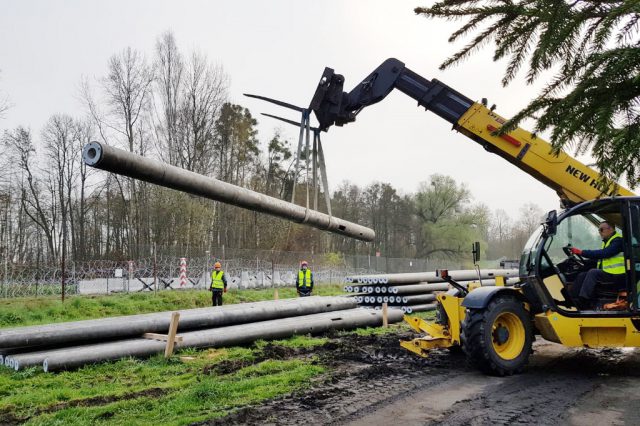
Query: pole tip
[[92, 153]]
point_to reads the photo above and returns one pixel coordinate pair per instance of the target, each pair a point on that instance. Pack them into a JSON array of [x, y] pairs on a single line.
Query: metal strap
[[323, 175], [303, 121]]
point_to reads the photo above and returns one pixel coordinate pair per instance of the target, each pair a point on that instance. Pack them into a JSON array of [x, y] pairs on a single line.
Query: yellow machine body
[[588, 332], [553, 326]]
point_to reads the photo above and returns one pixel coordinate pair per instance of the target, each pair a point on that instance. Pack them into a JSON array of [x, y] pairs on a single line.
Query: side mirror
[[551, 223], [475, 250]]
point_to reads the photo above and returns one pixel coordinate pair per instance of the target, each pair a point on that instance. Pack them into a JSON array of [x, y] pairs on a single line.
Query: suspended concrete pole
[[125, 163]]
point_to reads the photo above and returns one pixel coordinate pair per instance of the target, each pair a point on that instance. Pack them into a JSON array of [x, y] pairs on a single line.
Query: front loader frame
[[438, 335]]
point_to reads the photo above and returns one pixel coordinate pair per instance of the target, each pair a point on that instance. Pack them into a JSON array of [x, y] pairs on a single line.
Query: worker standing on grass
[[218, 284], [304, 284]]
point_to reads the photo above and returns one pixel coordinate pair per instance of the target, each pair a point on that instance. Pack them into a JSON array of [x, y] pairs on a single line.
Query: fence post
[[385, 320], [130, 275], [62, 274], [207, 270], [5, 282], [155, 268]]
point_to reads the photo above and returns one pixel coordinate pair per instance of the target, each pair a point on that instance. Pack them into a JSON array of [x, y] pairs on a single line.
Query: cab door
[[632, 240]]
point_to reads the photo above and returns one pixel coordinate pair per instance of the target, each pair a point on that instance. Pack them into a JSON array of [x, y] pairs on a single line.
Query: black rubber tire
[[477, 339]]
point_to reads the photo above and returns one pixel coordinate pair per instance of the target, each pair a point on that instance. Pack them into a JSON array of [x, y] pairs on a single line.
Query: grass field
[[192, 386], [44, 310], [184, 389]]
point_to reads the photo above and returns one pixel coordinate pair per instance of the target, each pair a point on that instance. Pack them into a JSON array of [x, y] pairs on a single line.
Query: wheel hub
[[508, 335], [501, 334]]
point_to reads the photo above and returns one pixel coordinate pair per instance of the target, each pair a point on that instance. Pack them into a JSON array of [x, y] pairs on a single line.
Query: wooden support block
[[275, 294], [171, 338], [161, 337], [385, 319]]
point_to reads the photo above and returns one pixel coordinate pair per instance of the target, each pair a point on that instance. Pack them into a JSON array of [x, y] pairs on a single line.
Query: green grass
[[304, 342], [374, 331], [194, 385], [44, 310], [156, 391], [428, 315]]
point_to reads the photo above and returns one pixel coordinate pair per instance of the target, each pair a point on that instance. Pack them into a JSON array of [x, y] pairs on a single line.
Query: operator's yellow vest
[[615, 264], [216, 280], [304, 278]]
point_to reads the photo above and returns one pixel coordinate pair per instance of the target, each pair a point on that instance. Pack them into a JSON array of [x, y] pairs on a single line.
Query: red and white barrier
[[183, 271]]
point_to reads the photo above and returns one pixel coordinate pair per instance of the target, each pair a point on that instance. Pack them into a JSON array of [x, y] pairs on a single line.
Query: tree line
[[175, 107]]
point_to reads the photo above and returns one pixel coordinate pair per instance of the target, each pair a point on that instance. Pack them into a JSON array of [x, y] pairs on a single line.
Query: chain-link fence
[[244, 269]]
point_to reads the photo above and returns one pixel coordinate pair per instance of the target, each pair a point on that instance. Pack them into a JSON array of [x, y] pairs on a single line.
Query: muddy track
[[374, 381], [365, 372]]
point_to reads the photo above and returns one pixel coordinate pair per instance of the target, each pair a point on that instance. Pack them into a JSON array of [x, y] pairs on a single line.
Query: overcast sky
[[279, 49]]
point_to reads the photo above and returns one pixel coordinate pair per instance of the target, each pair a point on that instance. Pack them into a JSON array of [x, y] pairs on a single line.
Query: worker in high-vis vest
[[609, 274], [304, 282], [218, 284]]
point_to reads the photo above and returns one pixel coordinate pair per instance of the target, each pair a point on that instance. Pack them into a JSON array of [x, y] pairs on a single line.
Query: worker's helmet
[[217, 265], [304, 263]]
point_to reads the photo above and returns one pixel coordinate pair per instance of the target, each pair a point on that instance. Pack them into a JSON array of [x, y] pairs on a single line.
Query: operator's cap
[[304, 263], [217, 265]]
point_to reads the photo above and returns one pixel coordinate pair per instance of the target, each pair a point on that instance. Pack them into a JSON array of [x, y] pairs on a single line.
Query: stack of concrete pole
[[73, 344], [415, 292]]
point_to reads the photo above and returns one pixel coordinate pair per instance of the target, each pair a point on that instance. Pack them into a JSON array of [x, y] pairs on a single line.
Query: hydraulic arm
[[573, 181]]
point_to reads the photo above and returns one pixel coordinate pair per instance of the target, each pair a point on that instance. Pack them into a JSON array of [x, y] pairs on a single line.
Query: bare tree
[[36, 203], [84, 133], [500, 225], [169, 68], [205, 92], [58, 135], [4, 104], [127, 90]]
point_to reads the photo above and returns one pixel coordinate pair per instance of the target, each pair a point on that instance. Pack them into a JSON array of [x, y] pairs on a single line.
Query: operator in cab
[[610, 272]]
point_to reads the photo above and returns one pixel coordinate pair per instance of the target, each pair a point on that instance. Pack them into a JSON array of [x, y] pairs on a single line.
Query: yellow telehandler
[[495, 326]]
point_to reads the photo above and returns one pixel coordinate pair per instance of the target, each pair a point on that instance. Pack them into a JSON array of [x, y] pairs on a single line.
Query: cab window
[[577, 231]]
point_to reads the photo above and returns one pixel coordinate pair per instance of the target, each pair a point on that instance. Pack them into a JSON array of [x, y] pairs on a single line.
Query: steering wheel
[[573, 256]]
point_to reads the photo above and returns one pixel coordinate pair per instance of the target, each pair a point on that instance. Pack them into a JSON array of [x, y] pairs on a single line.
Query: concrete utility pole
[[125, 163]]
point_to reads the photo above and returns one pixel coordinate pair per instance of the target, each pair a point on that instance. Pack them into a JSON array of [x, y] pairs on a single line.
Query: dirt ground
[[375, 382]]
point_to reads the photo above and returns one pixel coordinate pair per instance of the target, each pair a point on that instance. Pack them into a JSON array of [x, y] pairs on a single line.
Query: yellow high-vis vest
[[615, 264], [304, 278], [216, 280]]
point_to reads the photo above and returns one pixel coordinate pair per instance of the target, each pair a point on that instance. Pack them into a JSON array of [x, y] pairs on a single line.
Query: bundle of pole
[[73, 344], [415, 292]]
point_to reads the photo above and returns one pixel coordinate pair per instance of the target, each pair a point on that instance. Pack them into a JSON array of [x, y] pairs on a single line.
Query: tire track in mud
[[558, 380], [366, 372], [374, 381], [524, 399]]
